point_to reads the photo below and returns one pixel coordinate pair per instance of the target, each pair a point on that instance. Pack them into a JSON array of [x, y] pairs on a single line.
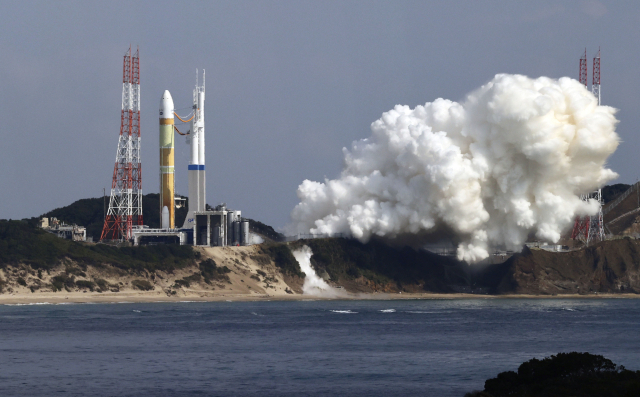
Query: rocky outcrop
[[608, 267]]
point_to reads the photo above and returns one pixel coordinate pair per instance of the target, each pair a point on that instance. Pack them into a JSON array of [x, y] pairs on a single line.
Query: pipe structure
[[167, 171]]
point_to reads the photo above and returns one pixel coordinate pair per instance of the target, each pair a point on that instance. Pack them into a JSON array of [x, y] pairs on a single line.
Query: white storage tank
[[231, 217], [236, 233], [245, 233]]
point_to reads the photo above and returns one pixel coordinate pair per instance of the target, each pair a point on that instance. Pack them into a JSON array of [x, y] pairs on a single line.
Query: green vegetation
[[86, 284], [186, 281], [142, 285], [565, 374], [211, 271], [63, 281], [347, 259], [283, 258], [90, 213], [265, 230], [610, 192], [22, 242]]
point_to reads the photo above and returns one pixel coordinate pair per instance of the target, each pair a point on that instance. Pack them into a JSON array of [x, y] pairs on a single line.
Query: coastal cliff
[[38, 264]]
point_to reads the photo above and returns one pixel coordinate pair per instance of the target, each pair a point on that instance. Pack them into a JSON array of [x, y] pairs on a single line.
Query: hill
[[611, 266]]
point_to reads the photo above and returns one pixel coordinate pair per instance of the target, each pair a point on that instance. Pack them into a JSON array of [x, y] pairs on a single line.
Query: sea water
[[304, 348]]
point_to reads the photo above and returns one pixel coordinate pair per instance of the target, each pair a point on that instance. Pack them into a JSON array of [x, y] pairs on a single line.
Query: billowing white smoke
[[313, 285], [509, 160], [255, 238]]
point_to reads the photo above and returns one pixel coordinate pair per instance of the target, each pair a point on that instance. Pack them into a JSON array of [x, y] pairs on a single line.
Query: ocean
[[299, 348]]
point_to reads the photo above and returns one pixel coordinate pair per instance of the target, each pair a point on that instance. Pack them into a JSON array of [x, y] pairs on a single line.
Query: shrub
[[210, 271], [62, 281], [21, 281], [101, 283], [186, 281], [283, 258], [85, 284], [565, 374], [142, 285]]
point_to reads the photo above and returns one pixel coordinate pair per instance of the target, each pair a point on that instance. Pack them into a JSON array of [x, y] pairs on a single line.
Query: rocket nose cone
[[166, 105]]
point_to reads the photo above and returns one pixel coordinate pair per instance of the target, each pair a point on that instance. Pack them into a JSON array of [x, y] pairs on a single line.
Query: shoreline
[[151, 297]]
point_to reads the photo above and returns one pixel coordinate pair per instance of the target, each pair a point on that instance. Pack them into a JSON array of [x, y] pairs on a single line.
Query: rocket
[[197, 184], [167, 181]]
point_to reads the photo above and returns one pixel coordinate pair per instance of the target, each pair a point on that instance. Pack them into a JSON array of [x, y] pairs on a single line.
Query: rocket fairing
[[167, 172]]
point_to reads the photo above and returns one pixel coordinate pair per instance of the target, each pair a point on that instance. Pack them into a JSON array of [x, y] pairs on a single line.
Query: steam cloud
[[314, 285], [510, 160]]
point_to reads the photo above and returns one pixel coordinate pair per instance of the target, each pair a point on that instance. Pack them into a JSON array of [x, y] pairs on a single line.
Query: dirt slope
[[608, 267]]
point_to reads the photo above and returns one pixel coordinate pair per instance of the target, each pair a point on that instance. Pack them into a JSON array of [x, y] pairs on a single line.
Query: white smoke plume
[[510, 160], [314, 285]]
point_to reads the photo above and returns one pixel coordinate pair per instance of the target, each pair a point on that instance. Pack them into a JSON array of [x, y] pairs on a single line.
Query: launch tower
[[590, 228], [125, 202]]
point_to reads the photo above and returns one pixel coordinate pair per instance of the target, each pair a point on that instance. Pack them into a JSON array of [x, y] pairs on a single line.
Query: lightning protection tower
[[595, 85], [125, 203], [583, 68], [590, 228]]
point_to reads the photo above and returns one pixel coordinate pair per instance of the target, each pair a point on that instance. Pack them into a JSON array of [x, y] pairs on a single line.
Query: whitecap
[[343, 311], [387, 311]]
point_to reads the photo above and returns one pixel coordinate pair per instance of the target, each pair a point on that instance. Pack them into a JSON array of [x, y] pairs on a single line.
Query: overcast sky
[[289, 84]]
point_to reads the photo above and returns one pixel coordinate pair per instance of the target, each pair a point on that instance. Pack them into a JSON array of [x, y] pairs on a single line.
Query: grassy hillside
[[21, 242], [398, 268]]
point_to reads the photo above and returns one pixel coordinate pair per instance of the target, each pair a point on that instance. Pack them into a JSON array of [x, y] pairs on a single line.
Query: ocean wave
[[343, 311], [387, 311]]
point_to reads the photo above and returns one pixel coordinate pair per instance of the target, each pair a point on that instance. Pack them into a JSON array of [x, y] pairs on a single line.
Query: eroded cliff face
[[228, 271], [607, 267]]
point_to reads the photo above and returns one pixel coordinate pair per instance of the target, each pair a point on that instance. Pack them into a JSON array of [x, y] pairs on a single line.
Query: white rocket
[[197, 184]]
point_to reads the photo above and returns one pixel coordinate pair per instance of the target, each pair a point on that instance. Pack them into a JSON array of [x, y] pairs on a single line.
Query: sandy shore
[[137, 297]]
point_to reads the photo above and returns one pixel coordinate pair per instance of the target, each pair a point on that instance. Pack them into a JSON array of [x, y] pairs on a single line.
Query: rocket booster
[[167, 172]]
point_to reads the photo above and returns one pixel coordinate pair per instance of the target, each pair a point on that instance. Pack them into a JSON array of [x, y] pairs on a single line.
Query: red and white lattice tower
[[590, 228], [125, 203], [583, 68]]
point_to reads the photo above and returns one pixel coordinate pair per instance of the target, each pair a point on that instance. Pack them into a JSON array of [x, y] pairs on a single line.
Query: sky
[[289, 84]]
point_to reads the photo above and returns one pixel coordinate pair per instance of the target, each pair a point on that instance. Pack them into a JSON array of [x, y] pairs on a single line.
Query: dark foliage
[[265, 230], [382, 264], [283, 258], [186, 281], [86, 284], [211, 271], [142, 285], [21, 242], [62, 281], [90, 213], [610, 192], [565, 374]]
